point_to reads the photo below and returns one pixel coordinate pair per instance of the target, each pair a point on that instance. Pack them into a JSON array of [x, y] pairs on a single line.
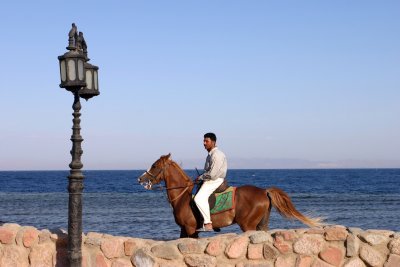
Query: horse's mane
[[176, 165]]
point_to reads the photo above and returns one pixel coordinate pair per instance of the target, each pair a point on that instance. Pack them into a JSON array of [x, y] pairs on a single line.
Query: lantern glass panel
[[80, 70], [63, 70], [89, 79], [96, 86], [71, 70]]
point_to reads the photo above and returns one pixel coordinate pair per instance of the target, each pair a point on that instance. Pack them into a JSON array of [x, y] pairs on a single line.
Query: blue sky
[[283, 84]]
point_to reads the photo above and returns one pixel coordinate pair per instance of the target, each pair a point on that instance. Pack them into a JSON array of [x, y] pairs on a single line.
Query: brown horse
[[252, 207]]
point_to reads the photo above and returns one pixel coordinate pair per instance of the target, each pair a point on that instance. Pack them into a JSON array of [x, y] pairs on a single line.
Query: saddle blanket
[[224, 201]]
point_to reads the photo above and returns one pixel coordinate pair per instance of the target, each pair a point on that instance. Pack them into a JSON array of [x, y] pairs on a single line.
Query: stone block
[[11, 226], [129, 246], [320, 263], [171, 263], [287, 235], [373, 238], [304, 261], [255, 251], [260, 237], [393, 261], [200, 260], [301, 231], [387, 233], [283, 246], [336, 233], [332, 255], [13, 256], [93, 241], [192, 247], [285, 261], [354, 262], [85, 258], [315, 231], [112, 247], [355, 230], [269, 252], [94, 235], [7, 235], [141, 258], [254, 264], [215, 247], [44, 236], [101, 261], [237, 248], [372, 256], [30, 236], [309, 245], [352, 245], [394, 246], [166, 251], [42, 255], [121, 263]]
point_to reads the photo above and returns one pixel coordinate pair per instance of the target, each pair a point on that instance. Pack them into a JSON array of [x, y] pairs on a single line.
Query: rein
[[170, 201], [161, 187]]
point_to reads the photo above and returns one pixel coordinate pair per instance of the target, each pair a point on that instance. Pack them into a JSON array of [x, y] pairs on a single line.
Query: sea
[[114, 202]]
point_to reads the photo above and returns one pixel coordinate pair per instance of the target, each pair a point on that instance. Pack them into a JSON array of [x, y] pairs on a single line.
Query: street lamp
[[80, 78]]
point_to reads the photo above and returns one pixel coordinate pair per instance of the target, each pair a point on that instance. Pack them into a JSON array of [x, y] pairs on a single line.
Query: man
[[214, 174]]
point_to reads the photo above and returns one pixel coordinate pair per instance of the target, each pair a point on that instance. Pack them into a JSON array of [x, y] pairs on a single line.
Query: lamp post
[[80, 78]]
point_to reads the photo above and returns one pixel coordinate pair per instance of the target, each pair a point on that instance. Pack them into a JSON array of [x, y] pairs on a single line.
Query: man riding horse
[[252, 205], [214, 174]]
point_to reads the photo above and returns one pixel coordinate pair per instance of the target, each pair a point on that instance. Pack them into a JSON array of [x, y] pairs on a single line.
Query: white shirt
[[216, 165]]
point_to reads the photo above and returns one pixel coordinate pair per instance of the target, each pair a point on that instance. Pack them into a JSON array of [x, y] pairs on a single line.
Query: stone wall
[[330, 246]]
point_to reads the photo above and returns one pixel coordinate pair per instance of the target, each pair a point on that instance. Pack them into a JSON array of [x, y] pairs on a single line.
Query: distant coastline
[[234, 164]]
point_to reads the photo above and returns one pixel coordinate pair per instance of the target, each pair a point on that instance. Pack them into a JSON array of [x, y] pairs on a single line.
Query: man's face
[[208, 144]]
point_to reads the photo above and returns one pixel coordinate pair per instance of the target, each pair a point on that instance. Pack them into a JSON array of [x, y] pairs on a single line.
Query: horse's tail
[[282, 203]]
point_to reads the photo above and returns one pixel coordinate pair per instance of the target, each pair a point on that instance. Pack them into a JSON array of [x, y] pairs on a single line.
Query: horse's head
[[156, 173]]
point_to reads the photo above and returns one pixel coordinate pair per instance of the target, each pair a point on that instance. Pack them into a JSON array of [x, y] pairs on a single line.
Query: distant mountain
[[270, 163]]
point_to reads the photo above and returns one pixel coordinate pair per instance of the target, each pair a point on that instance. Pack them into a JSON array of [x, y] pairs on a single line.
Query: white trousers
[[201, 198]]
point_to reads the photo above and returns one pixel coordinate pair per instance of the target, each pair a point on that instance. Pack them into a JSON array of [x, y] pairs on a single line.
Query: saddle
[[212, 199], [222, 199], [220, 194]]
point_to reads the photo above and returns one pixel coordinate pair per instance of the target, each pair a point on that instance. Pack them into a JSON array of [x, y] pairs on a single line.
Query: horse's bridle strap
[[160, 172], [179, 194], [177, 187]]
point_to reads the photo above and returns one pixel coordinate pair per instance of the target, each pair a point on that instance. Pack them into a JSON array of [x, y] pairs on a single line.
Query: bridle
[[157, 178]]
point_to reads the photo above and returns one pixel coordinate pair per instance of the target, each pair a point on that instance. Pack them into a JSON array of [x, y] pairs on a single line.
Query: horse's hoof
[[217, 230]]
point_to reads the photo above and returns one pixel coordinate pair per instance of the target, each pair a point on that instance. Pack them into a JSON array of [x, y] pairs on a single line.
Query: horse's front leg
[[188, 232], [183, 232]]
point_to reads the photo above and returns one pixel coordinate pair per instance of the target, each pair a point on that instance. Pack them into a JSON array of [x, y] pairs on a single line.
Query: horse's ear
[[169, 156]]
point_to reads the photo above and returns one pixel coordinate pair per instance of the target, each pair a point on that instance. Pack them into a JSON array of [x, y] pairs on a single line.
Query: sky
[[283, 84]]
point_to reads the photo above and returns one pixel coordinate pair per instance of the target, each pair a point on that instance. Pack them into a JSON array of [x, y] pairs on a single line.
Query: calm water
[[114, 203]]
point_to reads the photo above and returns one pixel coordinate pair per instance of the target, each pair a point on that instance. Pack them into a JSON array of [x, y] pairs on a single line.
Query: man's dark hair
[[212, 136]]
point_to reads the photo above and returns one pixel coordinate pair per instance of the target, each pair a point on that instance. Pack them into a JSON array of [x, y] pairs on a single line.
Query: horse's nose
[[140, 178]]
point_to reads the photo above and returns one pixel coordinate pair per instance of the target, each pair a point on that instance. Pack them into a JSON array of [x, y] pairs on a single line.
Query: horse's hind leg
[[251, 221], [263, 224]]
